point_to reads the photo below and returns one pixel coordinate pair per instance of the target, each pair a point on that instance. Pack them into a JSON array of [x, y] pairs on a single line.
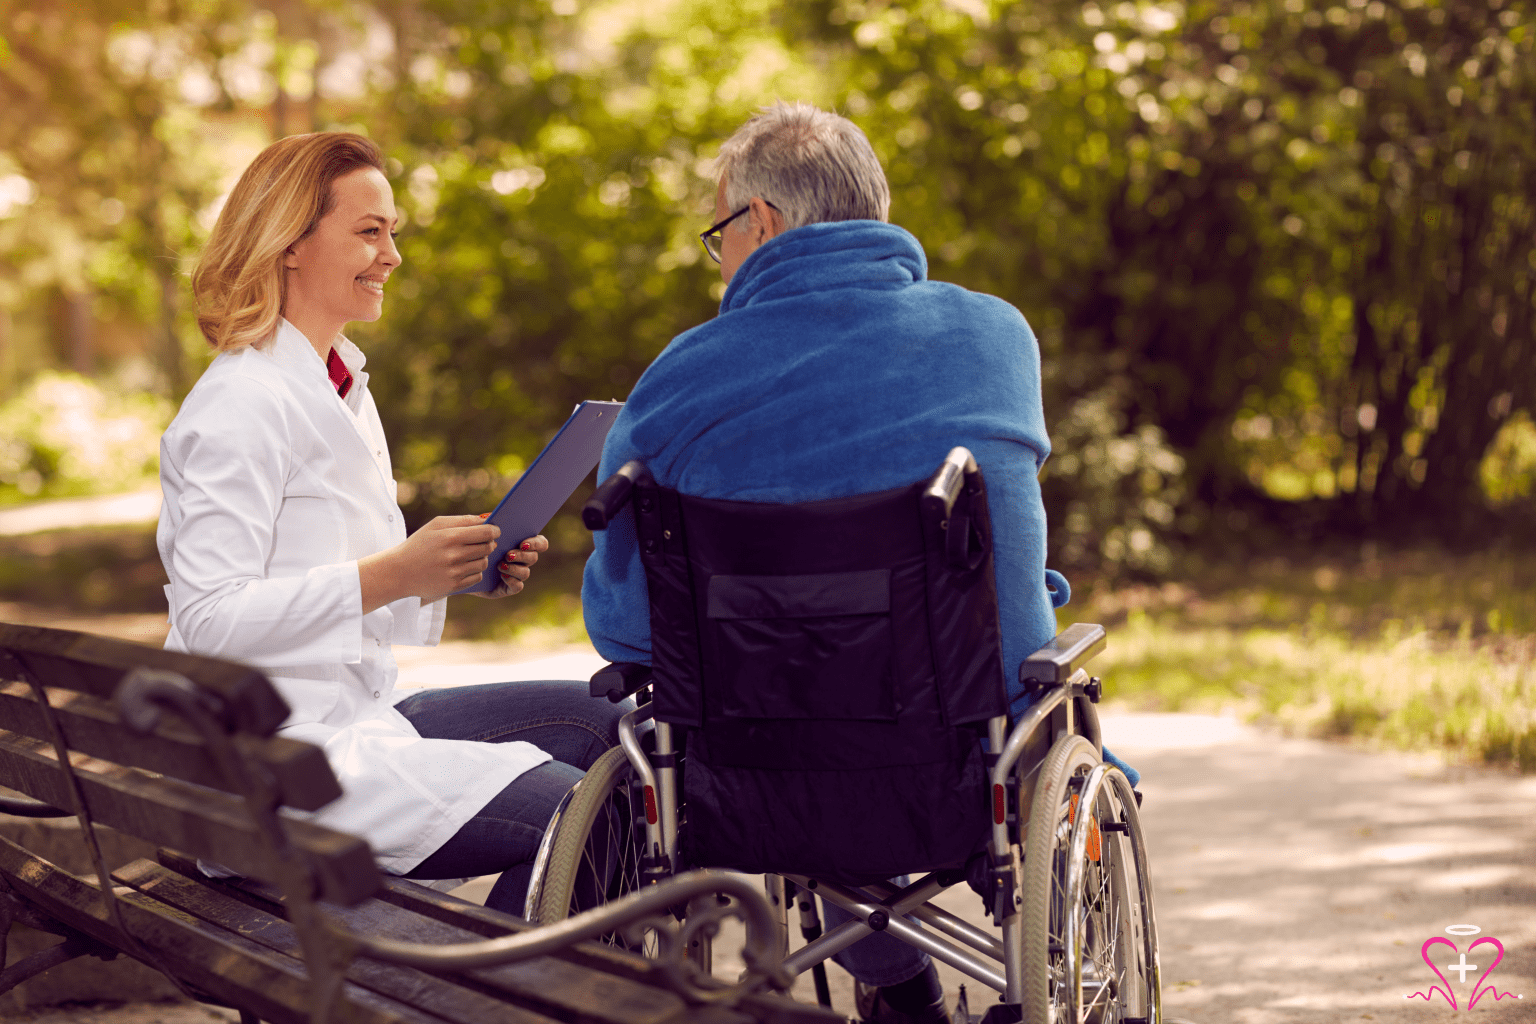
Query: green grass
[[1416, 650], [102, 569]]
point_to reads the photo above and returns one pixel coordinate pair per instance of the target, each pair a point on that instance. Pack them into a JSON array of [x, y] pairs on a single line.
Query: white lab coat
[[274, 488]]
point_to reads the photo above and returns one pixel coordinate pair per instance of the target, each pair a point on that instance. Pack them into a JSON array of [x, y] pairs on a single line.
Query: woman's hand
[[517, 567], [447, 554]]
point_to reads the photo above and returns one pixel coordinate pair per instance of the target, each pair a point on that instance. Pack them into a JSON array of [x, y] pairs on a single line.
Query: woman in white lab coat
[[285, 547]]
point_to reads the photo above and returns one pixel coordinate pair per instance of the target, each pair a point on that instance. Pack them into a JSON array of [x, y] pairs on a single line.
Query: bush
[[66, 435], [1110, 491]]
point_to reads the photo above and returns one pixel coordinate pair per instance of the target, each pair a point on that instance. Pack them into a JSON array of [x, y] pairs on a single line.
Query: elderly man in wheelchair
[[820, 562]]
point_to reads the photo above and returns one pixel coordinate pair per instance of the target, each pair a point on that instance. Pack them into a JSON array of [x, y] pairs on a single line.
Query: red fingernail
[[527, 545]]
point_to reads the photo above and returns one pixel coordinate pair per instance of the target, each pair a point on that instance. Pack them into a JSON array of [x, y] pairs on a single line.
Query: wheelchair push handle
[[964, 539], [939, 496], [611, 495]]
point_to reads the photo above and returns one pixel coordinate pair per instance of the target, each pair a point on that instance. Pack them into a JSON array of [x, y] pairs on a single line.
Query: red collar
[[341, 377]]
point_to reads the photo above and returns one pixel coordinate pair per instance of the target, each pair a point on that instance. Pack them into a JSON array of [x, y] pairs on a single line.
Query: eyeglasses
[[712, 237]]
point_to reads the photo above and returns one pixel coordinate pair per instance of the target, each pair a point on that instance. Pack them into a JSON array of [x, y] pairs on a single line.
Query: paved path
[[133, 508], [1295, 880]]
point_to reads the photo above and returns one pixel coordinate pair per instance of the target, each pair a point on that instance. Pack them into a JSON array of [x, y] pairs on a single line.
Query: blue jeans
[[558, 717], [880, 959]]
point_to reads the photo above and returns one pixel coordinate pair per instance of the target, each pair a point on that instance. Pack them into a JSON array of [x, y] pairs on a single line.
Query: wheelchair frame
[[1061, 712], [1062, 709]]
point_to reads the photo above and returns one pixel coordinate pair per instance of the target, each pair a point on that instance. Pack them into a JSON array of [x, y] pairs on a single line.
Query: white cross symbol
[[1463, 967]]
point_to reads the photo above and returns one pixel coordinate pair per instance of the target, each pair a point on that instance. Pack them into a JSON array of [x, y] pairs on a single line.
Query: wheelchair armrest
[[619, 680], [1065, 654]]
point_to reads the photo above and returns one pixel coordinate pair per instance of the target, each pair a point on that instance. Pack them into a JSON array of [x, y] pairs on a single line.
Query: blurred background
[[1280, 256]]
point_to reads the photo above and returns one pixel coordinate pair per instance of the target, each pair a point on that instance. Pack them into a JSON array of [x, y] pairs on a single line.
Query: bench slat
[[474, 921], [222, 963], [408, 985], [92, 725], [552, 984], [96, 664], [560, 984], [201, 822]]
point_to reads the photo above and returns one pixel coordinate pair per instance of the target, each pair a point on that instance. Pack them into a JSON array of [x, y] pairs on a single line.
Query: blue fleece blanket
[[836, 368]]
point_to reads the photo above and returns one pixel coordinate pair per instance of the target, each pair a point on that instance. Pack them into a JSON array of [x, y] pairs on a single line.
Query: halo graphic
[[1462, 929]]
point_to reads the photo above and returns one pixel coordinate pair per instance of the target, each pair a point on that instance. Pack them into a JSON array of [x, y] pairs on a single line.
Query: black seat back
[[834, 669]]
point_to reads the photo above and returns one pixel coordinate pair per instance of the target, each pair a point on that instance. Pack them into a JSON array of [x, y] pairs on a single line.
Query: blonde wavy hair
[[239, 282]]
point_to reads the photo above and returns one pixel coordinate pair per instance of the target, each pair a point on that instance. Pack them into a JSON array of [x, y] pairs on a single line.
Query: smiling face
[[336, 273]]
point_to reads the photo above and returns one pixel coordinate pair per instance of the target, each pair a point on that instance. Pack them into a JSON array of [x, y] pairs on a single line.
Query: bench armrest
[[649, 907], [1068, 651], [24, 807]]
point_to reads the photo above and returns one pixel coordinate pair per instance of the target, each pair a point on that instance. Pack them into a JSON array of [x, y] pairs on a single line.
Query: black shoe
[[873, 1009]]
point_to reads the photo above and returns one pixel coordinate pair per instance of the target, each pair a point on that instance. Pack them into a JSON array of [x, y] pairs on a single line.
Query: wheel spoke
[[611, 852], [1103, 916]]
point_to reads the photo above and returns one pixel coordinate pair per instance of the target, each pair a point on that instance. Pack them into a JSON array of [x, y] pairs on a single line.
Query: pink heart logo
[[1478, 989], [1450, 996]]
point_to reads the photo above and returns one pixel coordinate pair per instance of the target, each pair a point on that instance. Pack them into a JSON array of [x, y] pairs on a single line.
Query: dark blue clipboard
[[543, 488]]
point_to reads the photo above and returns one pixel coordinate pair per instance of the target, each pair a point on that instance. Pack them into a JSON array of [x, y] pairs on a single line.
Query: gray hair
[[813, 166]]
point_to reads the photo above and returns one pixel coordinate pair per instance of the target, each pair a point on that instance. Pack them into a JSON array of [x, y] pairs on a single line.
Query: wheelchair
[[825, 706]]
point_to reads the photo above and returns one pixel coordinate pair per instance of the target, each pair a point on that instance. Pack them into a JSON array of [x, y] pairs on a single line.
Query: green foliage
[[1296, 238], [112, 114], [1272, 251], [65, 435], [85, 570], [1117, 491], [552, 196], [1508, 470]]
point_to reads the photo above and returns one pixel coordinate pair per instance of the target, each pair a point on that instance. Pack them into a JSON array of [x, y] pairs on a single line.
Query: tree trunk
[[7, 355], [80, 333], [170, 341]]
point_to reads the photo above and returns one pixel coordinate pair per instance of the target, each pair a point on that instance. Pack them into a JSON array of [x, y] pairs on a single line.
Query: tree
[[554, 184], [104, 116]]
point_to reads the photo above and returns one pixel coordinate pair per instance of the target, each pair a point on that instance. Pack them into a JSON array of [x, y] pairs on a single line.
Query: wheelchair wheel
[[594, 855], [1115, 935]]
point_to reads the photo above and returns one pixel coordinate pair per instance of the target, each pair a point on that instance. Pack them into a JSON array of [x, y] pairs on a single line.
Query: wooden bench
[[180, 751]]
